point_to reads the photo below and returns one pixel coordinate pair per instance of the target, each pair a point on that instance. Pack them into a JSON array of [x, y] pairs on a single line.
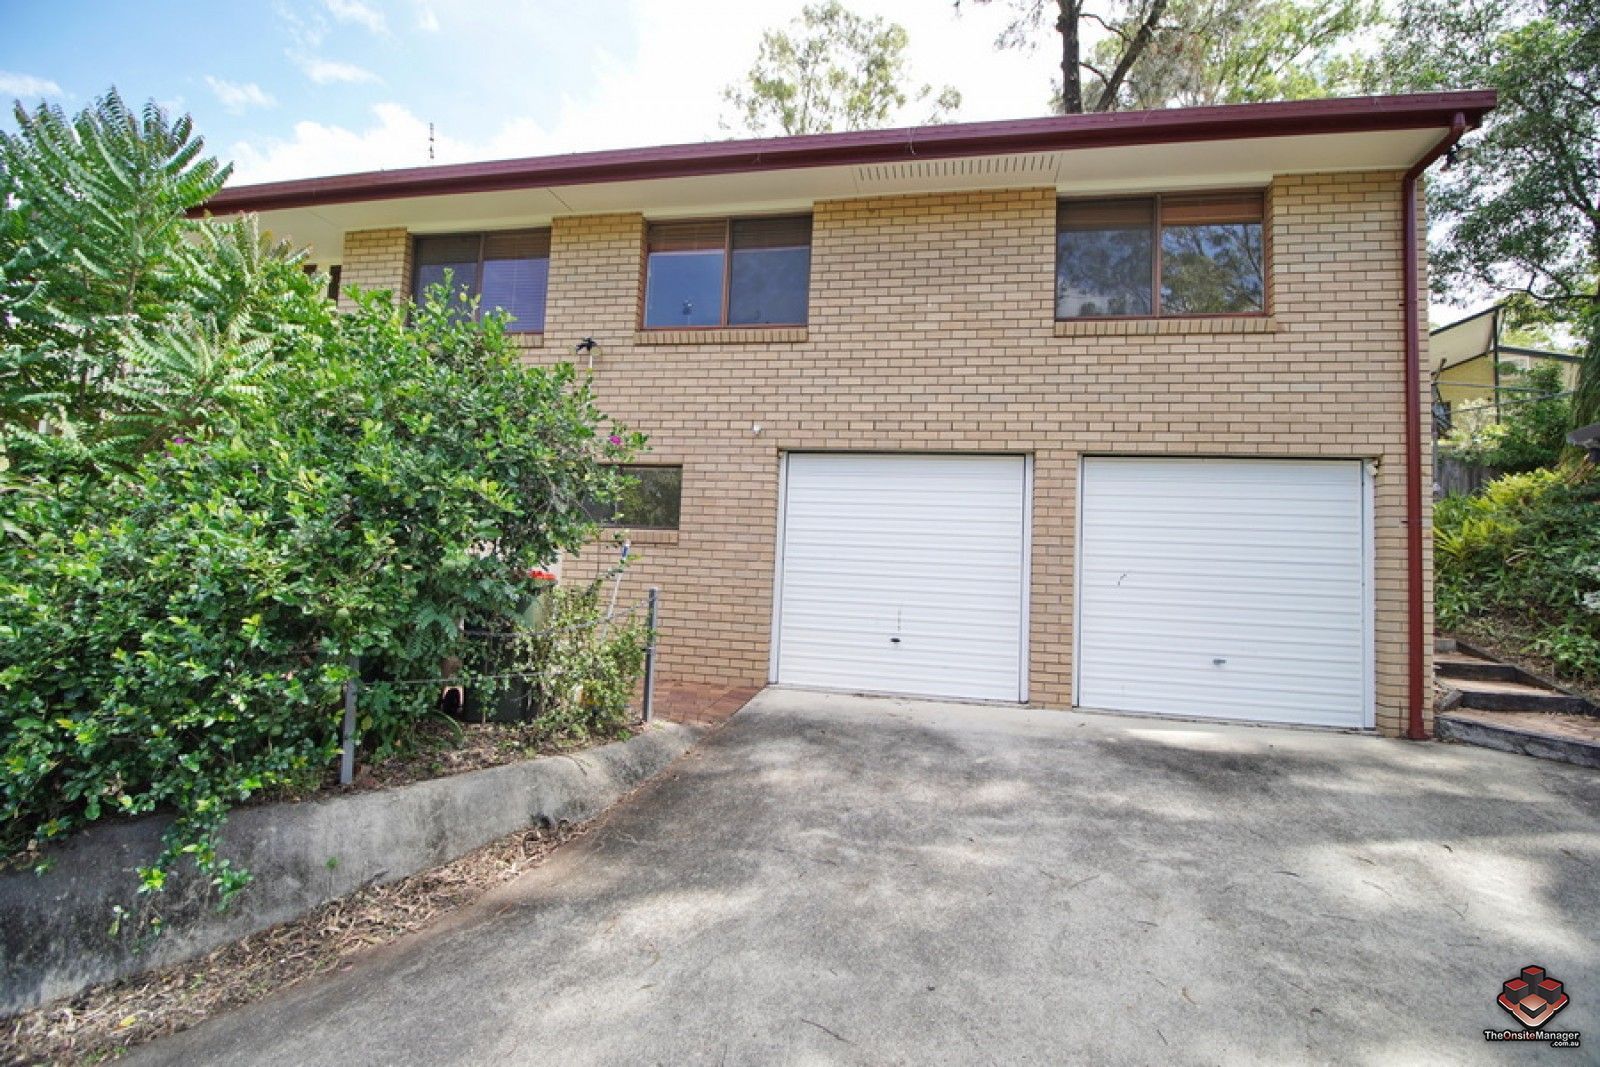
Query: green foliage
[[1526, 553], [831, 70], [1243, 51], [176, 637], [1167, 53], [1531, 432], [124, 320], [1516, 213], [582, 668]]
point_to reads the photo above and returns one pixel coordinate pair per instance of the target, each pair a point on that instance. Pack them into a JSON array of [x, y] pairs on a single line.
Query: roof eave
[[1057, 133]]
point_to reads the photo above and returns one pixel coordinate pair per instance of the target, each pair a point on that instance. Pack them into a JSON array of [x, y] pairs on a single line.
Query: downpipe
[[1416, 683]]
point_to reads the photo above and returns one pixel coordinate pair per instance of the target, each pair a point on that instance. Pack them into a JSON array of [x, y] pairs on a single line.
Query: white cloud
[[669, 91], [360, 13], [399, 139], [427, 19], [15, 84], [333, 72], [236, 97]]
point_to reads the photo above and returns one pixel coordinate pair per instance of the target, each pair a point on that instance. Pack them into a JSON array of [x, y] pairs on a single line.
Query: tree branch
[[1130, 55]]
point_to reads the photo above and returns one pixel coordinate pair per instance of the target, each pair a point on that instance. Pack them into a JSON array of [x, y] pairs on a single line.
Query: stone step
[[1463, 665], [1495, 695], [1564, 738]]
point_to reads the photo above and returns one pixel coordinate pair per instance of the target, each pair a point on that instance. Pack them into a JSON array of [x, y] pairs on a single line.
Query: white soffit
[[1462, 342], [1139, 168]]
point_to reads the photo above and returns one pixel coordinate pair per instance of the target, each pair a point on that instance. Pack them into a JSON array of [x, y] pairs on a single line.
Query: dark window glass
[[1211, 268], [650, 500], [1211, 256], [505, 271], [771, 272], [763, 266], [1104, 259], [442, 257], [334, 273], [683, 289]]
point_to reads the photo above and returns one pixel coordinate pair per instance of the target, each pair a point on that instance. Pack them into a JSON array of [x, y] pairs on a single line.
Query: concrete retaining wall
[[55, 935]]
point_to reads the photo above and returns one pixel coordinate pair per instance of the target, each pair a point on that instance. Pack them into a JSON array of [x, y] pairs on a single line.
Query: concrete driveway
[[847, 880]]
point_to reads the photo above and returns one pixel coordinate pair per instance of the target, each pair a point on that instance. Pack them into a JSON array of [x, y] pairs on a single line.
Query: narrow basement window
[[651, 499]]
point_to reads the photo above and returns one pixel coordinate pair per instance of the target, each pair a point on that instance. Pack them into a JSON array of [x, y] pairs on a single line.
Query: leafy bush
[[1526, 553], [215, 492], [576, 670], [177, 636], [1531, 432]]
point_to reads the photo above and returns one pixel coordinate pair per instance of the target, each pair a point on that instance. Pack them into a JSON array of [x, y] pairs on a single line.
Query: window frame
[[1157, 214], [512, 328], [726, 222], [627, 468]]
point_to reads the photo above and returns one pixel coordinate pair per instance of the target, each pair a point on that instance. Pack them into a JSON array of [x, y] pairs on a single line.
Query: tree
[[122, 321], [1160, 53], [832, 70], [1518, 211]]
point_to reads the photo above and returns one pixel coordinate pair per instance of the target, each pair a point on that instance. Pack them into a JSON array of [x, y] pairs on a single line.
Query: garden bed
[[441, 749]]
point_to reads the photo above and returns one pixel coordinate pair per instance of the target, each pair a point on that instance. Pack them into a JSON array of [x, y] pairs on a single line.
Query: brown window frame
[[483, 243], [1157, 202], [727, 223]]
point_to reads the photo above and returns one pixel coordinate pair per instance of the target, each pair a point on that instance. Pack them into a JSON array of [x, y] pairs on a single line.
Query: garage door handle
[[894, 640]]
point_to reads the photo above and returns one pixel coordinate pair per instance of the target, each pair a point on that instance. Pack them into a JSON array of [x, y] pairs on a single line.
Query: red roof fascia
[[1056, 133]]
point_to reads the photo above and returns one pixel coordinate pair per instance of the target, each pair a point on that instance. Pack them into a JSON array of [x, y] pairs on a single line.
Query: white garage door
[[903, 574], [1225, 588]]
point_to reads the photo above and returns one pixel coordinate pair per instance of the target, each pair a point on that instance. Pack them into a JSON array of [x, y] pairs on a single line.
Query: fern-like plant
[[122, 319]]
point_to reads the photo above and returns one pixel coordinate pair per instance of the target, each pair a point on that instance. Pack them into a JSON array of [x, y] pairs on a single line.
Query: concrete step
[[1564, 738], [1463, 665]]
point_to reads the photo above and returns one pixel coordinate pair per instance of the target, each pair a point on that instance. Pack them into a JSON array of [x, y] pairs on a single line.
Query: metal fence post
[[347, 761], [650, 657]]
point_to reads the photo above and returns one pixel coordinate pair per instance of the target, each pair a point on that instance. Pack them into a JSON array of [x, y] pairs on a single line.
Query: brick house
[[1113, 411]]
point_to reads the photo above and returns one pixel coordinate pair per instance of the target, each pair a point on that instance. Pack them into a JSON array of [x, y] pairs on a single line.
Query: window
[[1160, 255], [509, 271], [743, 272], [649, 500]]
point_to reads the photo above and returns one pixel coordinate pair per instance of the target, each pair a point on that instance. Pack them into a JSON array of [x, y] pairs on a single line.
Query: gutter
[[1416, 683], [865, 147]]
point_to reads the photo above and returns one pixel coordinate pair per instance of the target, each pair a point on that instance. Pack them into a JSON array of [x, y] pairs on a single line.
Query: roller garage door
[[1233, 589], [903, 573]]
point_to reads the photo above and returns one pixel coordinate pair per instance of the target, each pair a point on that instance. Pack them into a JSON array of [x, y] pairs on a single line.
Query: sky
[[305, 88], [301, 88]]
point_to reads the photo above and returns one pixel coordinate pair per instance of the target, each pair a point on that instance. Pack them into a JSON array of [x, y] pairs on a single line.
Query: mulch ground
[[107, 1020]]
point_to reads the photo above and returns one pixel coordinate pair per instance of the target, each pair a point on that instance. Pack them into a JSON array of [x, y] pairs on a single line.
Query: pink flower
[[614, 439]]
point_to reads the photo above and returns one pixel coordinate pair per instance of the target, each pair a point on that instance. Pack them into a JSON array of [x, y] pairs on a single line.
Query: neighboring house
[[1468, 359], [1115, 411]]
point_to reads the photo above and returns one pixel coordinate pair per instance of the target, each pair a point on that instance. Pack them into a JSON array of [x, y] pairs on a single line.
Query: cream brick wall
[[932, 328]]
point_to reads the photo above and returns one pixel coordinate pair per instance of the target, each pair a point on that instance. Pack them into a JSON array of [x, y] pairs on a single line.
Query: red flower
[[541, 575]]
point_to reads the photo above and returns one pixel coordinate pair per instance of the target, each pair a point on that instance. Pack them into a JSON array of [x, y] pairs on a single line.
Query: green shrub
[[176, 637], [1532, 430], [578, 668], [1525, 552]]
